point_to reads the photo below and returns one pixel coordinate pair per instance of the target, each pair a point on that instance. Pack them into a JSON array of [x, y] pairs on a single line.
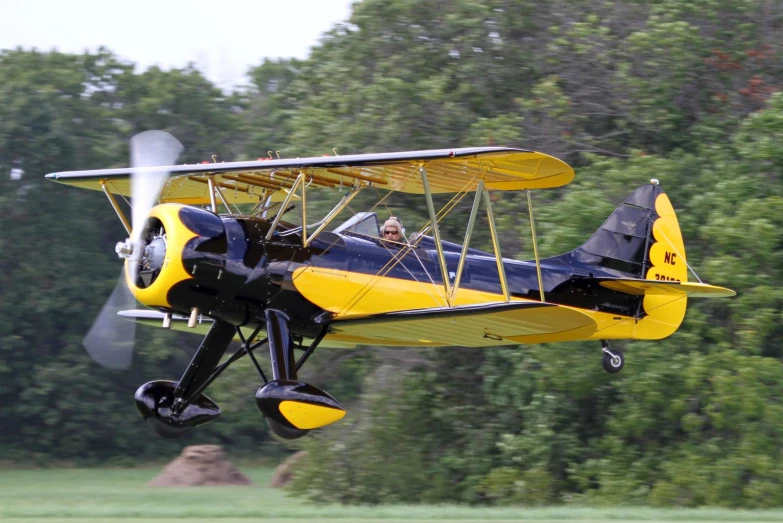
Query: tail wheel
[[613, 361]]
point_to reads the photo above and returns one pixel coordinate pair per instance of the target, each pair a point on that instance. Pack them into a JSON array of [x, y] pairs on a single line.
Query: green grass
[[72, 495]]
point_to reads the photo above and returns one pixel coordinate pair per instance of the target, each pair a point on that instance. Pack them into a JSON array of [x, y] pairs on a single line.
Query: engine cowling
[[223, 266], [176, 238]]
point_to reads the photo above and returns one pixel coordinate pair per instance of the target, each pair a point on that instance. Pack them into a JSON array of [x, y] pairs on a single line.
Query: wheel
[[613, 361], [283, 431], [166, 431], [154, 400]]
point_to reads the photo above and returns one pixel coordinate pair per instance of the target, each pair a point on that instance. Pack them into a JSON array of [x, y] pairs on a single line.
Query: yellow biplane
[[250, 275]]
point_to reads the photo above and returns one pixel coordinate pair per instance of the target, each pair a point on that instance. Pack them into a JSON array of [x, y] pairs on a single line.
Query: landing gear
[[612, 360], [155, 400], [292, 408], [170, 408]]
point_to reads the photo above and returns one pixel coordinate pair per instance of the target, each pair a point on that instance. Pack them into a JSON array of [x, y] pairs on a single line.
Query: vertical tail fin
[[641, 239]]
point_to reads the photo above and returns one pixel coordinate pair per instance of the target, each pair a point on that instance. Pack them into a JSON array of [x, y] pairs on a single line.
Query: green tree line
[[625, 91]]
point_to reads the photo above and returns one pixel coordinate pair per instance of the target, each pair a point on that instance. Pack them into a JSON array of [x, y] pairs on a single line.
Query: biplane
[[247, 274]]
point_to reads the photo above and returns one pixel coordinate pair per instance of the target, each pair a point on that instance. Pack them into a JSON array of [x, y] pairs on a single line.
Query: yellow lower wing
[[474, 325], [661, 288]]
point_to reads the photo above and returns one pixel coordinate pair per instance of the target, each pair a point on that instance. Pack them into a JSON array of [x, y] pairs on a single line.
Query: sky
[[223, 37]]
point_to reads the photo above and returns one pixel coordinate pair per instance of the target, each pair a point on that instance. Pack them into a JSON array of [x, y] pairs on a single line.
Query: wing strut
[[496, 244], [333, 213], [466, 243], [436, 233], [113, 202], [219, 192], [535, 245], [212, 201], [284, 206]]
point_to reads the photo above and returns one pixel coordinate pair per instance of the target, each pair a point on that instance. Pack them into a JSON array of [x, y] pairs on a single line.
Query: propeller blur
[[110, 340]]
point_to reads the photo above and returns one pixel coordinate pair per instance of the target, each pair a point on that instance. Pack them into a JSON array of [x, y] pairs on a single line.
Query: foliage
[[654, 91], [626, 91]]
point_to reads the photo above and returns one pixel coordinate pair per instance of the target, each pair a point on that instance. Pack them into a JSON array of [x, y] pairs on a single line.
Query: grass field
[[73, 495]]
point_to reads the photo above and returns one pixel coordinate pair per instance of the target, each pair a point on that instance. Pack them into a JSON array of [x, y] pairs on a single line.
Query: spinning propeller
[[110, 340]]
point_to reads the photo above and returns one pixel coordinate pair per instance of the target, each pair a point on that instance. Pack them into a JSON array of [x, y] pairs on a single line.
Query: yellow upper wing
[[448, 171]]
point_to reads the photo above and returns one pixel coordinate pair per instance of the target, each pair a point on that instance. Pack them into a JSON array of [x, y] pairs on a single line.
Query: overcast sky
[[223, 37]]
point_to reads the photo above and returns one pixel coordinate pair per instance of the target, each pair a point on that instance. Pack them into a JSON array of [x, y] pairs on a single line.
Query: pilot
[[392, 230]]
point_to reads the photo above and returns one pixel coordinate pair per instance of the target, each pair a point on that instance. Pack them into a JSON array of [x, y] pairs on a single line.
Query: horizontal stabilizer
[[497, 323], [665, 288]]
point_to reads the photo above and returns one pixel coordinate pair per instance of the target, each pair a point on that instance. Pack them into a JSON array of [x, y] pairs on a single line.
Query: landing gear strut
[[292, 408], [612, 360], [170, 408]]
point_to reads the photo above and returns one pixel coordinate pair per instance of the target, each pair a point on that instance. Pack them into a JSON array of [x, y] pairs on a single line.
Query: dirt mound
[[284, 472], [200, 465]]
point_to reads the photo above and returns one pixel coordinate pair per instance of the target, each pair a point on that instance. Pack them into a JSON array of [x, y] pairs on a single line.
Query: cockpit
[[365, 223], [362, 225]]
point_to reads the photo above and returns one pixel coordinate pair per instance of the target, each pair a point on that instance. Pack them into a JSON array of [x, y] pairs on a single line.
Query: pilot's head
[[392, 230]]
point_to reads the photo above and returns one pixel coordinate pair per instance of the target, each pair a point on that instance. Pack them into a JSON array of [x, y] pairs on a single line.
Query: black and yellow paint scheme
[[251, 274]]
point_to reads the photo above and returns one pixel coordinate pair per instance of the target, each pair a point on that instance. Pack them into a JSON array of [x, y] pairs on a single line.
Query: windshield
[[362, 222]]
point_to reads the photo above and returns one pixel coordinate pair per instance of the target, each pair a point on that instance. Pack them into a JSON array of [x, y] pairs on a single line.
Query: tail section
[[634, 270], [641, 239]]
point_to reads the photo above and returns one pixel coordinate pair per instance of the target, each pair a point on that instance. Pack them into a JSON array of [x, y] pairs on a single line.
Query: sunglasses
[[390, 231]]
